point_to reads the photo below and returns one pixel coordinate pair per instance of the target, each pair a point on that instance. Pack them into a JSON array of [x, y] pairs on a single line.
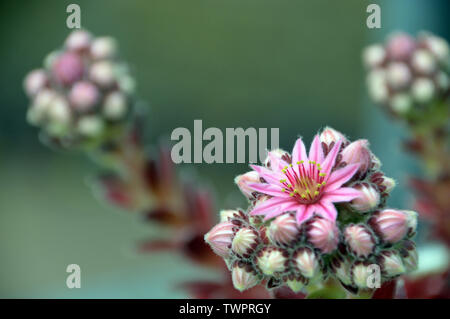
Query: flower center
[[304, 181]]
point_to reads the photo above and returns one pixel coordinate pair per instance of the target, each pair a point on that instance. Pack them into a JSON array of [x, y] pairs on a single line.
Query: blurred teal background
[[295, 65]]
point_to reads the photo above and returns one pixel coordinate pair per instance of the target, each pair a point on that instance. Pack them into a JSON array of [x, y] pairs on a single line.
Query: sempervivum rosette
[[315, 216], [83, 93]]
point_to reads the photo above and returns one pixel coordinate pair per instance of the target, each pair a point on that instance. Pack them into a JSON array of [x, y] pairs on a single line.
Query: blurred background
[[294, 65]]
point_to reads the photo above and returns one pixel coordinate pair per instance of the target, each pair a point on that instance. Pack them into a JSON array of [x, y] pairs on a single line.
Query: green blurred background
[[295, 65]]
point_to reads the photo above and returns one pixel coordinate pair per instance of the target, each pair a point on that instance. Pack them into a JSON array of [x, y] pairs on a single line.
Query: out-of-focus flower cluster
[[82, 94], [316, 217], [406, 74]]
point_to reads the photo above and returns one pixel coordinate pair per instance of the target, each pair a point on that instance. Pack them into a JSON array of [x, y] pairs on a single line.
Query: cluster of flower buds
[[316, 217], [407, 74], [83, 92]]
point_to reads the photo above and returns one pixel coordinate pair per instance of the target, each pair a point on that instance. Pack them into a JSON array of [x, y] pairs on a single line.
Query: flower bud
[[35, 81], [284, 230], [330, 135], [409, 255], [59, 116], [39, 108], [423, 90], [90, 126], [401, 103], [423, 62], [360, 272], [377, 85], [306, 261], [323, 234], [438, 46], [228, 214], [278, 153], [376, 163], [369, 198], [400, 46], [103, 48], [102, 73], [83, 96], [398, 75], [78, 40], [374, 55], [115, 106], [220, 237], [391, 263], [341, 269], [243, 276], [359, 240], [295, 283], [358, 153], [272, 260], [385, 184], [67, 68], [393, 225], [245, 241], [243, 180]]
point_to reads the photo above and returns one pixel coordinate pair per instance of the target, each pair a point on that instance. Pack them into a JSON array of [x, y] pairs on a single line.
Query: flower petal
[[330, 160], [343, 194], [267, 205], [341, 176], [299, 152], [270, 176], [327, 210], [276, 163], [268, 189], [316, 152], [307, 212], [283, 208]]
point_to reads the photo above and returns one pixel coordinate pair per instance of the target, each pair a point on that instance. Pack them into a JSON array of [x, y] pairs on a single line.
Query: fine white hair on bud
[[323, 234], [391, 263], [368, 198], [284, 230], [220, 238], [243, 180], [295, 283], [359, 240], [272, 260], [306, 261], [330, 135], [245, 241], [393, 225], [360, 274], [358, 152], [409, 255], [243, 276]]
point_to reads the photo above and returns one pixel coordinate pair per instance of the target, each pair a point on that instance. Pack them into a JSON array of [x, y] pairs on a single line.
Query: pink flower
[[307, 185]]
